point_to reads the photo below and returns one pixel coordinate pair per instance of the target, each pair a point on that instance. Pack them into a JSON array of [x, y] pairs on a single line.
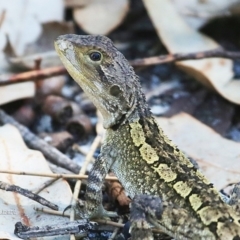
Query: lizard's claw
[[66, 208]]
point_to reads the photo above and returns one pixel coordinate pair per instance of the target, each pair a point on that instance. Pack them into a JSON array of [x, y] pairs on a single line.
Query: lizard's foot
[[144, 209]]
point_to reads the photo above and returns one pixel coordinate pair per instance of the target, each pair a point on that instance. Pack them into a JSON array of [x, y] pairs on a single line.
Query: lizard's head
[[102, 72]]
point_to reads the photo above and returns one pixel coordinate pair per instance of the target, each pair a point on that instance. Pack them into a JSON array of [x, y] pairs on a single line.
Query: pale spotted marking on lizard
[[150, 167]]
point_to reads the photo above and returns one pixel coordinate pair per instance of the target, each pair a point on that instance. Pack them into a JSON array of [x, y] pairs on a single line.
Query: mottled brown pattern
[[137, 151]]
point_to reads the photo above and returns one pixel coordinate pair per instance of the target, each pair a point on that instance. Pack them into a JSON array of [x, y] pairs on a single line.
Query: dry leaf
[[27, 28], [42, 48], [16, 91], [22, 21], [16, 156], [178, 37], [196, 13], [218, 158], [100, 16]]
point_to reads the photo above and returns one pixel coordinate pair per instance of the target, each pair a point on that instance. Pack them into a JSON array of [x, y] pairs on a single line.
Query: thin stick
[[218, 52], [55, 175], [13, 188], [32, 75], [59, 70], [102, 221], [81, 227], [59, 213], [44, 185]]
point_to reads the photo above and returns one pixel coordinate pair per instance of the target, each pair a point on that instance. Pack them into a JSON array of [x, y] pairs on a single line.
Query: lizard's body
[[138, 152]]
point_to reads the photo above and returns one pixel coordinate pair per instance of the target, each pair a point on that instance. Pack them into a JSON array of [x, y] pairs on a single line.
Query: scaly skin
[[137, 151]]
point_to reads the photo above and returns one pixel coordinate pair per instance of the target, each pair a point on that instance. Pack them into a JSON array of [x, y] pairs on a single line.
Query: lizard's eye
[[95, 56]]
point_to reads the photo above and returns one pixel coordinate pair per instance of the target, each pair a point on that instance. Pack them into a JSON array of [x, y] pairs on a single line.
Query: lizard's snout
[[63, 44]]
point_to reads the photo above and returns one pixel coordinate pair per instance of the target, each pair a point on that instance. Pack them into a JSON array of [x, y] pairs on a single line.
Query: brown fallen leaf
[[116, 191], [178, 37], [100, 17], [16, 156], [218, 158]]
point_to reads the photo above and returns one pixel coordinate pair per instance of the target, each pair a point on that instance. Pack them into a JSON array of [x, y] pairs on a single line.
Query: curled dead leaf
[[216, 73], [100, 17], [196, 13]]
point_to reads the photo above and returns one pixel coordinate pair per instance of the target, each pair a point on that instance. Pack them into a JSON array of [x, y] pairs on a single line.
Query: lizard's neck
[[141, 109]]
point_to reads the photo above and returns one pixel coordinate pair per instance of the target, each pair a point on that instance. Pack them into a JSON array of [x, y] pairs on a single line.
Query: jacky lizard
[[168, 191]]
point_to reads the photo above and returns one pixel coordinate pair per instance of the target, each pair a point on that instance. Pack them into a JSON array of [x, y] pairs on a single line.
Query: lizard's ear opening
[[115, 90]]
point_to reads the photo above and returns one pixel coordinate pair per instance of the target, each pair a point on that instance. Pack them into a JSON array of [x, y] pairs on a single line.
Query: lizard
[[167, 190]]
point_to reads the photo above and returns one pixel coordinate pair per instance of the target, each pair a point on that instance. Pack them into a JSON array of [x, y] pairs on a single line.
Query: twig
[[102, 221], [59, 70], [80, 227], [55, 175], [218, 52], [49, 211], [28, 194], [44, 185], [51, 153], [32, 75], [59, 213]]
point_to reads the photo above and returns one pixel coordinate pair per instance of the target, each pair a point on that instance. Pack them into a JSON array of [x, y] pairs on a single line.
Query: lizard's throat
[[117, 114], [138, 110]]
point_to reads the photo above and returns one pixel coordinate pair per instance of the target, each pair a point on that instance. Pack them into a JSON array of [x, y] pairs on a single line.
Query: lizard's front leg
[[142, 207], [93, 207], [147, 211]]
